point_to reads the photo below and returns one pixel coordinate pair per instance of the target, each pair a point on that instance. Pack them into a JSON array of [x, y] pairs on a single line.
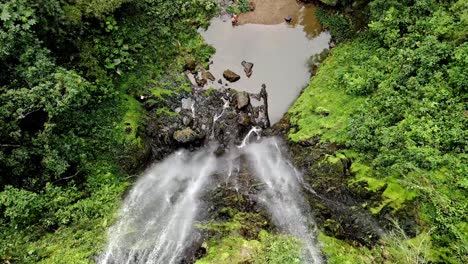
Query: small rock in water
[[185, 135], [247, 68], [231, 76], [243, 99]]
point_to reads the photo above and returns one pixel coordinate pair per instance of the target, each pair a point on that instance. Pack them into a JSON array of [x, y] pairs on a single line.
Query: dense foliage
[[396, 96], [70, 75]]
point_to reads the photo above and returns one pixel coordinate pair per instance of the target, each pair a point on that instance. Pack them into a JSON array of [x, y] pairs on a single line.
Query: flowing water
[[282, 194], [279, 51], [158, 217]]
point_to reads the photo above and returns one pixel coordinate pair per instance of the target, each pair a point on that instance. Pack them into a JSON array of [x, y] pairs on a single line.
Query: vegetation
[[241, 240], [395, 95], [71, 73]]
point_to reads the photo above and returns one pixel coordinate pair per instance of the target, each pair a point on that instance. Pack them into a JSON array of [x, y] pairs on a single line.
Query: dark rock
[[200, 81], [185, 135], [231, 76], [251, 6], [244, 119], [243, 99], [220, 81], [190, 64]]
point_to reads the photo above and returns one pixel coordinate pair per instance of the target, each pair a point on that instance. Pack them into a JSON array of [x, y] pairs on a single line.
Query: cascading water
[[282, 194], [157, 218]]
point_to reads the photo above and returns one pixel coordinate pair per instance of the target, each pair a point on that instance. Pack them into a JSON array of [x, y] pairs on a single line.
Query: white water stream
[[158, 216]]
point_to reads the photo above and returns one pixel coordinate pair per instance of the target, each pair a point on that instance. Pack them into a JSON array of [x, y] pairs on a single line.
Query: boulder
[[185, 135], [208, 76], [243, 99], [244, 119], [231, 76], [190, 64], [200, 81], [187, 103], [247, 68]]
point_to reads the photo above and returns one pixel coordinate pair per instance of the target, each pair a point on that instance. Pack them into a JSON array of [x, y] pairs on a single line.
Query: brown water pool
[[279, 51]]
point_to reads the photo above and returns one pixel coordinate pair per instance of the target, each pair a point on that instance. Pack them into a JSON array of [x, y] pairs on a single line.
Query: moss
[[131, 120], [230, 250], [241, 239], [340, 252], [209, 91], [324, 109]]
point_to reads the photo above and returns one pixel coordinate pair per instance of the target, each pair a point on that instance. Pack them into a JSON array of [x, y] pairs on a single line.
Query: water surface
[[279, 53]]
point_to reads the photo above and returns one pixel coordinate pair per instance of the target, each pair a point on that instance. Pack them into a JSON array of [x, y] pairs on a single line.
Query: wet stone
[[231, 76]]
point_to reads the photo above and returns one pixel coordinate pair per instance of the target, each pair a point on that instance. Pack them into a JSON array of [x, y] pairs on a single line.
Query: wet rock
[[190, 64], [247, 68], [208, 76], [244, 119], [200, 81], [242, 99], [231, 76], [186, 120], [251, 6], [185, 135]]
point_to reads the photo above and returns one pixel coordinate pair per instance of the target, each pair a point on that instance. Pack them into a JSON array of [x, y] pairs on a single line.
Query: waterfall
[[157, 218], [282, 194]]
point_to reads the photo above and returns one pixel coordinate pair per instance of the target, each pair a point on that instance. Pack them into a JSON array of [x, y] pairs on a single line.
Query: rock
[[187, 103], [247, 68], [243, 99], [251, 6], [186, 120], [185, 135], [231, 76], [220, 81], [200, 81], [208, 76], [178, 109], [244, 119], [190, 64]]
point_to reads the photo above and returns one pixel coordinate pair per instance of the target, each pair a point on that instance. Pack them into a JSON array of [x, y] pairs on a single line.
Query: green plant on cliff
[[396, 95], [69, 119]]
